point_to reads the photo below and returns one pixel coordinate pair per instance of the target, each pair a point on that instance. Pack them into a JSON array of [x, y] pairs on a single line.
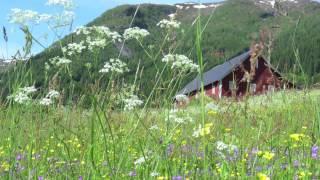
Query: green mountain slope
[[229, 29]]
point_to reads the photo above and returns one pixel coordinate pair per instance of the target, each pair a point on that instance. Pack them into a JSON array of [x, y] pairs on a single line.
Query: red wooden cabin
[[227, 79]]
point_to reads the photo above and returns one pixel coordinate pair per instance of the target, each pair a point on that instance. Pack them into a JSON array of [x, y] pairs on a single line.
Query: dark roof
[[215, 74]]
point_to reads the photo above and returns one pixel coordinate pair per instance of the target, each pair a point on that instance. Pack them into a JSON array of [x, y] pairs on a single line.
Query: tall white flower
[[53, 94], [67, 4], [19, 16], [132, 102], [135, 33], [178, 117], [49, 99], [99, 32], [23, 17], [59, 61], [28, 90], [74, 48], [169, 24], [115, 66], [154, 174], [22, 96], [140, 161], [182, 98], [180, 62], [45, 102]]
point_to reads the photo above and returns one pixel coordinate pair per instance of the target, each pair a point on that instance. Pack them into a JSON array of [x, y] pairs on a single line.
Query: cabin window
[[271, 88], [253, 88], [220, 89], [232, 85]]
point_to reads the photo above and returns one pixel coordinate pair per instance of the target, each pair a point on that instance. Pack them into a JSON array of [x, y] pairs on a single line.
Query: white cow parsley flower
[[53, 94], [45, 102], [23, 17], [99, 32], [139, 161], [114, 65], [19, 16], [154, 127], [23, 95], [28, 90], [181, 98], [49, 99], [67, 4], [178, 117], [132, 102], [74, 48], [59, 61], [180, 62], [154, 174], [221, 146], [169, 24], [135, 33]]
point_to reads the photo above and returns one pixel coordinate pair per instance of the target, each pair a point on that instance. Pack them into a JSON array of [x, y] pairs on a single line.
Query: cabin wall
[[265, 80]]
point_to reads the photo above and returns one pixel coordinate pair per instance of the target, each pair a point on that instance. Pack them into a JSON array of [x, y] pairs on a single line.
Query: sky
[[85, 10]]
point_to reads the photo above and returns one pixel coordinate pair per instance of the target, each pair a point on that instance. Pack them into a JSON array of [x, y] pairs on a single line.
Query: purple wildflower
[[296, 163], [314, 152], [170, 149], [254, 150], [80, 178], [132, 173], [40, 178], [19, 157], [177, 178]]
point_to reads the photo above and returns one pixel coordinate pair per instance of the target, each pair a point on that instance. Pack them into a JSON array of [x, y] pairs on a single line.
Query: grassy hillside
[[229, 29]]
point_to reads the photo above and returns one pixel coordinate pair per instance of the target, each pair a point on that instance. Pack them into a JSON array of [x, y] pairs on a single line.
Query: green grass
[[62, 142], [86, 133]]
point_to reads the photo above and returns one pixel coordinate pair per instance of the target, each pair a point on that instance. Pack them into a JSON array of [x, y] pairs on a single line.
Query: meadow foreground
[[267, 137]]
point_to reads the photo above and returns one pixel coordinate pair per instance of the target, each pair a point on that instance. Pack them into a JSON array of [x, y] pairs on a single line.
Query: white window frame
[[271, 88], [220, 89], [213, 90], [253, 87]]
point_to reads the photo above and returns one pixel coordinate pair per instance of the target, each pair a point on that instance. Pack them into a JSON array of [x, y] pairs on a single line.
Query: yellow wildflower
[[262, 176], [161, 178], [268, 155], [302, 174], [227, 130], [297, 137], [212, 113]]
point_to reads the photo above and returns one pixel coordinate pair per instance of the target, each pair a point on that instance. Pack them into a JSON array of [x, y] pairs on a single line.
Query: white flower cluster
[[23, 17], [67, 4], [181, 98], [100, 32], [132, 102], [59, 61], [169, 24], [96, 43], [140, 161], [48, 100], [178, 117], [135, 33], [74, 48], [114, 66], [23, 95], [154, 174], [64, 18], [180, 62], [222, 147]]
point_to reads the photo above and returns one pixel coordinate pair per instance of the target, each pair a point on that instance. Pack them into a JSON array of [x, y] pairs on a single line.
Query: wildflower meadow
[[50, 129]]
